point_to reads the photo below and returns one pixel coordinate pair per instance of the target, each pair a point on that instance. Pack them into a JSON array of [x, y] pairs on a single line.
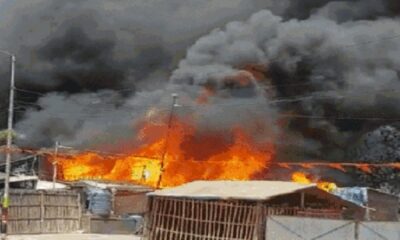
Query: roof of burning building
[[111, 185], [243, 190]]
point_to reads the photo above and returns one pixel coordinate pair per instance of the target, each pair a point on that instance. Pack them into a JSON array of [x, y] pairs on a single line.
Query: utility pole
[[57, 146], [55, 165], [171, 115], [6, 196]]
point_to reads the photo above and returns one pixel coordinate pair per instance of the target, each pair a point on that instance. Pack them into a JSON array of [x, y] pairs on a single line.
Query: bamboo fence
[[206, 220], [190, 219], [33, 212]]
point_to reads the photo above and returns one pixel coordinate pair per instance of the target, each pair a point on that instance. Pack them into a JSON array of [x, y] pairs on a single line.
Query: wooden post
[[79, 210], [356, 230], [260, 222], [41, 211], [302, 200], [113, 193]]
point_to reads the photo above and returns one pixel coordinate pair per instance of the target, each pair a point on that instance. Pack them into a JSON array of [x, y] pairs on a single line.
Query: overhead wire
[[76, 151], [273, 102], [300, 98], [29, 91]]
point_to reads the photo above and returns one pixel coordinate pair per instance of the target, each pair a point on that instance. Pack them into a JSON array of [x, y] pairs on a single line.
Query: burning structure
[[280, 86], [233, 155]]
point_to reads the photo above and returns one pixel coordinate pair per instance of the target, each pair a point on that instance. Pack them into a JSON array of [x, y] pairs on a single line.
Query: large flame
[[175, 157], [303, 178]]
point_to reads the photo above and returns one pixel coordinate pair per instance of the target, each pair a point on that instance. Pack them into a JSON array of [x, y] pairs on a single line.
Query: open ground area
[[73, 237]]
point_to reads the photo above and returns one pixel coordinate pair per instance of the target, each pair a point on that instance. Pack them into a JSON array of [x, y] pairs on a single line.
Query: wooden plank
[[207, 222], [193, 214], [155, 218], [243, 219], [234, 227], [253, 230], [212, 218]]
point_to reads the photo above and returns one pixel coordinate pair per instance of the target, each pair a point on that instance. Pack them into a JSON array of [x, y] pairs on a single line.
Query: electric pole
[[55, 165], [57, 147], [6, 196], [171, 115]]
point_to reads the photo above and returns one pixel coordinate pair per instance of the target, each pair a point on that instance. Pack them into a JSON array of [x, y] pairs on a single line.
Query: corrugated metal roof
[[111, 185], [241, 190]]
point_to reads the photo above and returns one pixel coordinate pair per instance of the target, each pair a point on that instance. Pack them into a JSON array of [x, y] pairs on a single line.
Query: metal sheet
[[244, 190], [379, 230], [294, 228]]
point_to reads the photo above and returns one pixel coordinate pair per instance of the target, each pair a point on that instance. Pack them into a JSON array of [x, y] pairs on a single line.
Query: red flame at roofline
[[188, 157], [304, 178]]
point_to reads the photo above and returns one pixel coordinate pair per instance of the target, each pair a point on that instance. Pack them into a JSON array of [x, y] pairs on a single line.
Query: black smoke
[[99, 54], [98, 66], [334, 71]]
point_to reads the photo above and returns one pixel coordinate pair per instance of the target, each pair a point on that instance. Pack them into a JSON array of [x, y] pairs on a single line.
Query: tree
[[3, 134]]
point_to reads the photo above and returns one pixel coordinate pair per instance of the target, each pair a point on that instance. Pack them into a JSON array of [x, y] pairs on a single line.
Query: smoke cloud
[[337, 70], [320, 74], [70, 51]]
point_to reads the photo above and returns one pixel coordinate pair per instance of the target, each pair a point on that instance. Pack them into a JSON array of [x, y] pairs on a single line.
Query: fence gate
[[283, 228], [379, 230]]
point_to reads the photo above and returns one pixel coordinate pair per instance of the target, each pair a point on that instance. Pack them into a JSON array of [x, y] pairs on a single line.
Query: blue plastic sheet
[[99, 201], [357, 195]]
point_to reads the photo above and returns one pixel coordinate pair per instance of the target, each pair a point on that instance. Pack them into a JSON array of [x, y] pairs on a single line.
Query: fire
[[186, 155], [303, 178], [205, 95]]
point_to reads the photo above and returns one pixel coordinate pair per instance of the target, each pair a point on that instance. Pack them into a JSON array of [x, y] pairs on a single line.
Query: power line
[[287, 99], [67, 113], [76, 152], [29, 91], [26, 103]]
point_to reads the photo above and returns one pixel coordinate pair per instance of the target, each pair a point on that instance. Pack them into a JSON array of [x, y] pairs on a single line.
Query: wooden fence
[[189, 219], [212, 220], [33, 212]]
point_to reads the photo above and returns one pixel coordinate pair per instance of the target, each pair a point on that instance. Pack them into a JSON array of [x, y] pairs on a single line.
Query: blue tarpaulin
[[99, 201], [357, 195]]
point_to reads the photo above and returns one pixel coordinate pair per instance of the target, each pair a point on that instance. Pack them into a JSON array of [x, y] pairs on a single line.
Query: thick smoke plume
[[337, 72], [327, 71], [320, 74], [99, 51]]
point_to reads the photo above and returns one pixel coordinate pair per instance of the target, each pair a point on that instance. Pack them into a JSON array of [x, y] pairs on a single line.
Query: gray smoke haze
[[105, 65]]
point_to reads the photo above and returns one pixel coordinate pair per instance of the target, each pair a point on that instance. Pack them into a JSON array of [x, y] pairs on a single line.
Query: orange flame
[[303, 178], [187, 157], [337, 166], [307, 165], [395, 165], [204, 96], [364, 167], [283, 165]]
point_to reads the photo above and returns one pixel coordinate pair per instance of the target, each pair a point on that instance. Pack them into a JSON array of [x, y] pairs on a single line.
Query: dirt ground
[[73, 237]]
